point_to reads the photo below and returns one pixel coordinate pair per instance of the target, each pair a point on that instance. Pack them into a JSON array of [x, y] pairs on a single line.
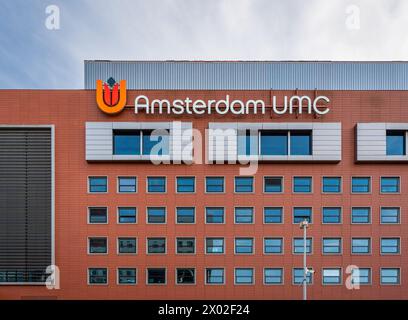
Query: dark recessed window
[[185, 215], [214, 275], [127, 215], [156, 184], [331, 215], [98, 245], [302, 184], [302, 213], [156, 215], [214, 184], [390, 245], [185, 245], [156, 245], [331, 245], [126, 275], [273, 215], [185, 275], [273, 184], [390, 215], [214, 215], [244, 215], [360, 184], [185, 184], [98, 184], [360, 245], [298, 274], [390, 184], [127, 245], [156, 276], [214, 245], [127, 184], [98, 275], [244, 245], [298, 245], [331, 184], [273, 245], [98, 215], [396, 144], [360, 215], [300, 143], [126, 142], [273, 275], [244, 275], [244, 184], [274, 143]]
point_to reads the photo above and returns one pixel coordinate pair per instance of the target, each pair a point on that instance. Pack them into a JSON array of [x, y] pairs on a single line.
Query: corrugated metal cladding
[[25, 204], [250, 75]]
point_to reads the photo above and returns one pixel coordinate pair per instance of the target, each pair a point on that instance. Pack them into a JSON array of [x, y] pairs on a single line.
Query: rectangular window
[[156, 184], [390, 245], [244, 215], [127, 184], [298, 274], [360, 215], [247, 142], [185, 275], [360, 245], [126, 245], [127, 215], [390, 215], [274, 143], [331, 184], [214, 245], [244, 276], [214, 276], [332, 276], [98, 245], [214, 215], [156, 245], [361, 276], [126, 142], [156, 215], [302, 213], [331, 245], [244, 184], [214, 184], [360, 184], [273, 245], [126, 276], [273, 184], [300, 143], [298, 245], [98, 184], [273, 215], [244, 245], [390, 276], [185, 245], [390, 184], [156, 276], [98, 275], [302, 184], [331, 215], [396, 144], [185, 184], [273, 276], [98, 215], [185, 214]]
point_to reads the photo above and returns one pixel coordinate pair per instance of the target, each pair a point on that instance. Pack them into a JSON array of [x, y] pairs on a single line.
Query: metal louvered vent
[[25, 204]]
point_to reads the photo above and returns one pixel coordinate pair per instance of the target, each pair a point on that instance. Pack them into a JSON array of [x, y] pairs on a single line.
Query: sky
[[37, 52]]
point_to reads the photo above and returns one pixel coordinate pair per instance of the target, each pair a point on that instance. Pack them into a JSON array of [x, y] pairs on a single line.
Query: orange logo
[[111, 96]]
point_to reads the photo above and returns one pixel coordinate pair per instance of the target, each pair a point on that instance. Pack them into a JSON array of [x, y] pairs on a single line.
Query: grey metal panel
[[251, 75], [26, 209], [372, 144]]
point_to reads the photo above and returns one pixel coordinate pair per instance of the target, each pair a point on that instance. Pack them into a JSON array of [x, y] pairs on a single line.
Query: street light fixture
[[304, 225]]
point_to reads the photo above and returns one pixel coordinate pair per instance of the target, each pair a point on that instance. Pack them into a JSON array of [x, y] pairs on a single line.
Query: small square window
[[390, 245], [360, 245], [396, 144], [185, 214], [127, 184], [331, 184], [156, 245], [126, 245], [214, 276], [127, 215], [156, 184], [244, 184], [214, 215], [273, 276], [360, 185], [331, 215], [126, 276], [390, 184], [332, 276], [360, 215], [361, 276], [244, 215], [390, 276], [156, 215], [156, 276], [302, 184], [244, 245], [298, 245], [390, 215], [273, 245], [244, 276], [98, 245], [273, 215], [185, 275], [214, 184], [273, 184], [298, 276], [98, 215], [302, 213], [98, 275], [185, 184], [214, 245], [98, 184], [185, 245], [331, 245]]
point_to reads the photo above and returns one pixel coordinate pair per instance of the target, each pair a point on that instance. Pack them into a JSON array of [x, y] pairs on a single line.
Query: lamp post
[[304, 225]]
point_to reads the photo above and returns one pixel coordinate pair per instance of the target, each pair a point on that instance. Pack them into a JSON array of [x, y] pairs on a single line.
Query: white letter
[[275, 107], [225, 102], [178, 106], [241, 110], [316, 108], [142, 105], [199, 107], [300, 102], [255, 106]]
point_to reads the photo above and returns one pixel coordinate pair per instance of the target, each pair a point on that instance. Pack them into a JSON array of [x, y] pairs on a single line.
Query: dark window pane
[[214, 215], [186, 276], [127, 245], [360, 184], [274, 143], [389, 184], [273, 184], [127, 275], [126, 142], [244, 184], [244, 215], [300, 143], [396, 143], [156, 215], [243, 245], [300, 214], [185, 184], [185, 215], [127, 184], [127, 215], [215, 275], [302, 184], [156, 184], [215, 245], [98, 245], [214, 184], [298, 274], [98, 215], [156, 276], [151, 138], [98, 275], [156, 245], [185, 245], [360, 215], [98, 184], [331, 184], [273, 245], [331, 215]]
